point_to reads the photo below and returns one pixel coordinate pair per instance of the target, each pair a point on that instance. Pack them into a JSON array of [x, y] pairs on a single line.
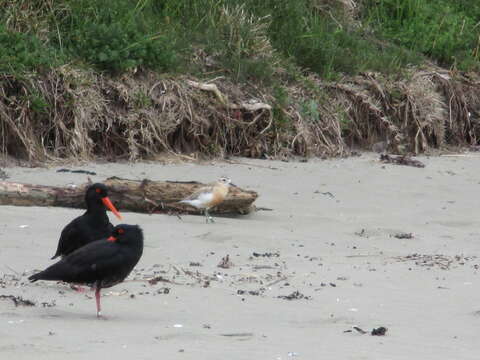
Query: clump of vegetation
[[116, 37], [21, 52], [446, 31]]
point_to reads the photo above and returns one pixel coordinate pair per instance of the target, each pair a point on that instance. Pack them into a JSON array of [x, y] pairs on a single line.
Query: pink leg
[[97, 298]]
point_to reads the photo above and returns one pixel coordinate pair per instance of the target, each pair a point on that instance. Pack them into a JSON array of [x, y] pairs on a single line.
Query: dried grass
[[75, 114], [246, 34], [87, 116], [33, 17], [314, 133], [348, 9], [427, 109]]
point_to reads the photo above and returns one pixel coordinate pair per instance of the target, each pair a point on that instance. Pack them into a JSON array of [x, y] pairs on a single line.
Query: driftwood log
[[144, 196]]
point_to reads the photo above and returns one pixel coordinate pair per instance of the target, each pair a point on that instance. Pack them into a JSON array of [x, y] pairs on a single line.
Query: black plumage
[[100, 264], [92, 225]]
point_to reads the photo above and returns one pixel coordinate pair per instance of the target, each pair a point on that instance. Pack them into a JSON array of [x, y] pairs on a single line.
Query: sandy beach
[[335, 252]]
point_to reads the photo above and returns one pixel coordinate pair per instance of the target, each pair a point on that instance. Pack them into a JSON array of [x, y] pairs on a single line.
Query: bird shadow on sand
[[188, 218]]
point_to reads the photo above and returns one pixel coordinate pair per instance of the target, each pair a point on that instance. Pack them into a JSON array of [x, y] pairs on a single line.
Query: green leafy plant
[[21, 52], [118, 36], [142, 100]]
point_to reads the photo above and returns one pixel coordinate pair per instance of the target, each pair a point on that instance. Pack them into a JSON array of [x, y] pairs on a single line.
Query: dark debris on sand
[[296, 295], [158, 279], [266, 254], [401, 160], [18, 300], [78, 171], [403, 235], [380, 331], [47, 304], [250, 292], [444, 262]]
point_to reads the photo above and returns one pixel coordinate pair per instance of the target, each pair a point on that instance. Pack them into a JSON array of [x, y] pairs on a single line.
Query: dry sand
[[333, 226]]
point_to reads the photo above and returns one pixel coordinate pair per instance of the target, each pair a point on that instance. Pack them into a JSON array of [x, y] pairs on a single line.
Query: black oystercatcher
[[92, 225], [99, 264]]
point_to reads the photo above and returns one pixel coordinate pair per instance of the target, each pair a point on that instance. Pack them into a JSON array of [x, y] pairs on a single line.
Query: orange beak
[[112, 239], [106, 201]]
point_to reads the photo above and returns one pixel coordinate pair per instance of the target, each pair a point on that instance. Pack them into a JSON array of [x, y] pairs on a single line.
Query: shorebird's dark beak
[[106, 201], [232, 184]]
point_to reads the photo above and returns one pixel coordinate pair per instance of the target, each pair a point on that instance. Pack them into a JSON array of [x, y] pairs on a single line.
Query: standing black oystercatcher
[[100, 264], [92, 225]]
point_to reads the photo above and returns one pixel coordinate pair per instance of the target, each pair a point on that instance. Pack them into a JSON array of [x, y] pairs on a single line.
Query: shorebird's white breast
[[202, 200]]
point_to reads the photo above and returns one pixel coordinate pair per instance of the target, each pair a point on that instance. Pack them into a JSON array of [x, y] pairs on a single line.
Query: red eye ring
[[98, 191], [120, 231]]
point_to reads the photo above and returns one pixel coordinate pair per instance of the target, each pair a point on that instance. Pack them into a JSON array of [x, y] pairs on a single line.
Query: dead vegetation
[[69, 113], [348, 8], [428, 108]]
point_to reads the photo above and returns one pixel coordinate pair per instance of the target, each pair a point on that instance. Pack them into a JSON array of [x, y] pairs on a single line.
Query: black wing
[[80, 232], [92, 262], [68, 239]]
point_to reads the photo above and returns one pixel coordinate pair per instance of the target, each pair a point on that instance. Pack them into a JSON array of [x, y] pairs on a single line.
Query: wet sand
[[334, 235]]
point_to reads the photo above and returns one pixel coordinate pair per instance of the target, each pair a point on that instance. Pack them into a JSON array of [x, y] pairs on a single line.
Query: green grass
[[248, 40], [23, 52], [117, 36], [326, 42], [446, 31]]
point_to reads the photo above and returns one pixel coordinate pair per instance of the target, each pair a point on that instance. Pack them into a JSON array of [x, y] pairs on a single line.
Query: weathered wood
[[145, 196]]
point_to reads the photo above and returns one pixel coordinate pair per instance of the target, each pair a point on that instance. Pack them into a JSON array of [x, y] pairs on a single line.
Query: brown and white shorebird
[[210, 196]]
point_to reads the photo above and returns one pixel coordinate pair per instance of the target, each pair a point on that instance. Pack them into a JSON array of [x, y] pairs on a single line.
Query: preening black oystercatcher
[[99, 264], [92, 225]]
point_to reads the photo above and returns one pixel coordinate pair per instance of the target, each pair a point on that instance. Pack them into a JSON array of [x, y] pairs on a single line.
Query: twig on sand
[[245, 334], [177, 270], [250, 164], [259, 208], [156, 279], [283, 278]]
